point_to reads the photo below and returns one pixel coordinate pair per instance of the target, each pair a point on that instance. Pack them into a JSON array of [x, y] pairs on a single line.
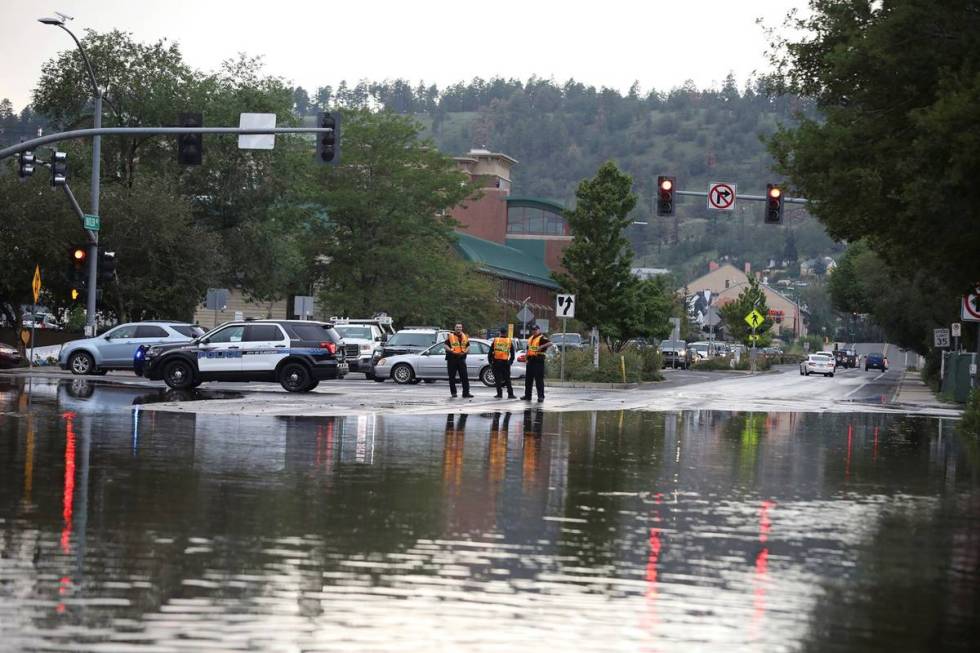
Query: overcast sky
[[609, 43]]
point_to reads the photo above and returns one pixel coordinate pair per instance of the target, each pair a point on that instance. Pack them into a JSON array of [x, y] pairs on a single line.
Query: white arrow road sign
[[565, 305]]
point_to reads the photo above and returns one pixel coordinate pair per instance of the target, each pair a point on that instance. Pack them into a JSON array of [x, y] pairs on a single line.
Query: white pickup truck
[[362, 338]]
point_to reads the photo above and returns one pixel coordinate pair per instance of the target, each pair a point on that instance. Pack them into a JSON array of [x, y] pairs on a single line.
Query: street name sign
[[36, 284], [565, 305], [941, 337], [256, 141], [91, 222], [721, 196], [755, 319]]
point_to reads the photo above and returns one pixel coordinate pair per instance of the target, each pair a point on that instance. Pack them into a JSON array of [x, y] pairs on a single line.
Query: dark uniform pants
[[457, 365], [501, 377], [535, 376]]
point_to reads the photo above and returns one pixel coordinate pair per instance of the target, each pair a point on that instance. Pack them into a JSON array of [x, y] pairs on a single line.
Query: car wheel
[[486, 375], [801, 372], [81, 363], [294, 377], [178, 374], [402, 373], [808, 372]]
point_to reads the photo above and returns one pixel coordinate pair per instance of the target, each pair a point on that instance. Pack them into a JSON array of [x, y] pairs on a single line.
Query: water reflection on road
[[517, 531]]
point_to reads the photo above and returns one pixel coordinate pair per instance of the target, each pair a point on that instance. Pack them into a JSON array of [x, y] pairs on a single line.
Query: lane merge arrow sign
[[565, 305]]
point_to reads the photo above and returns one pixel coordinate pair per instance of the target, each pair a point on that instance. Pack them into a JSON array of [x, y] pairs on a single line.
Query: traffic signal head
[[328, 143], [665, 195], [26, 165], [190, 147], [774, 204], [78, 257], [107, 264], [75, 294], [59, 169]]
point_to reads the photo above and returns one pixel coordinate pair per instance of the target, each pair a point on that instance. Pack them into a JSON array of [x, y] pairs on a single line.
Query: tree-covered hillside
[[562, 133]]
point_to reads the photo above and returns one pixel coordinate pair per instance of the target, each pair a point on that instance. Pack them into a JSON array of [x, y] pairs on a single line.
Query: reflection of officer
[[498, 446], [457, 346], [501, 356], [533, 423], [452, 457], [537, 344]]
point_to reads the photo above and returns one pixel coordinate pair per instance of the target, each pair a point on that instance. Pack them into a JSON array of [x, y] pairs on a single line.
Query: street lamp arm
[[88, 64]]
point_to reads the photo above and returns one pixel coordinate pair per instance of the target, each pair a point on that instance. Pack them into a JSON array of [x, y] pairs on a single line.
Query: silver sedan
[[430, 365]]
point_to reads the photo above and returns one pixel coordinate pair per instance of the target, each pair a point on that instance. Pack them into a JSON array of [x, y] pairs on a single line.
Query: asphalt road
[[781, 389]]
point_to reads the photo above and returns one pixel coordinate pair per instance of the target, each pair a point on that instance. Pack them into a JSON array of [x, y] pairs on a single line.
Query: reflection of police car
[[296, 354]]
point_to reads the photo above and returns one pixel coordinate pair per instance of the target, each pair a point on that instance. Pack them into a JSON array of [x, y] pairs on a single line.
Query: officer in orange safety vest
[[537, 344], [501, 357], [457, 346]]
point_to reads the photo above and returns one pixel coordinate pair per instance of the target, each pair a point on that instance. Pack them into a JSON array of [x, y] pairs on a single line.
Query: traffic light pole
[[93, 250]]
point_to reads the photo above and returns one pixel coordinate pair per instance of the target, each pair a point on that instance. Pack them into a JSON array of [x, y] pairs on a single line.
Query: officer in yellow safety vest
[[537, 345], [457, 346], [501, 357]]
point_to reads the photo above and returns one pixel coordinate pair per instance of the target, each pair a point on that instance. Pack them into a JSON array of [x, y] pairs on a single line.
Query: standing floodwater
[[123, 528]]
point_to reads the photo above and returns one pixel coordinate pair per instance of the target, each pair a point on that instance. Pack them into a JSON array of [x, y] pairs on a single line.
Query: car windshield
[[673, 344], [411, 339], [567, 339], [352, 331]]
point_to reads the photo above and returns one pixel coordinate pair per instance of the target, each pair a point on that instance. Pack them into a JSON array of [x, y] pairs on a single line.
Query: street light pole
[[93, 257]]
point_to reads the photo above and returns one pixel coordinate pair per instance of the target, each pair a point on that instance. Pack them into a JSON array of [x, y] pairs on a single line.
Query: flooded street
[[123, 528]]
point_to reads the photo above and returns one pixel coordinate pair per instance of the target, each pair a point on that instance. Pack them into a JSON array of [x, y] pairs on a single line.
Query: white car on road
[[821, 363]]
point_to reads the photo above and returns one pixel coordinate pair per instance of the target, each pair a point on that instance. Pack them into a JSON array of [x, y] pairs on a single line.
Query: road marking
[[864, 384]]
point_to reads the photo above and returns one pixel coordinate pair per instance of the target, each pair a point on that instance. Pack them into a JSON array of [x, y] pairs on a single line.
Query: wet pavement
[[127, 528]]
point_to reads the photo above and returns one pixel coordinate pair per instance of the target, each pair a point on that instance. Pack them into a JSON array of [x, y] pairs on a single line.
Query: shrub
[[641, 365], [970, 424]]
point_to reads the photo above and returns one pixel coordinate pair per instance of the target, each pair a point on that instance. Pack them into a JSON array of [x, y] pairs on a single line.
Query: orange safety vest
[[501, 349], [533, 346], [458, 345]]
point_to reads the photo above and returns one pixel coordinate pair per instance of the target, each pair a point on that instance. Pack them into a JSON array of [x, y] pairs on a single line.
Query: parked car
[[561, 341], [819, 363], [9, 356], [875, 360], [430, 365], [363, 341], [40, 321], [297, 354], [675, 353], [410, 340], [115, 349]]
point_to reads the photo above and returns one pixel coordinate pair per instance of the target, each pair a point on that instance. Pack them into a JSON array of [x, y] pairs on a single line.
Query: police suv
[[297, 354]]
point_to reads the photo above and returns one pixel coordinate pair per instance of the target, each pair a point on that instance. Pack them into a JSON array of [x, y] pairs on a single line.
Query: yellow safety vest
[[534, 346], [501, 349], [458, 345]]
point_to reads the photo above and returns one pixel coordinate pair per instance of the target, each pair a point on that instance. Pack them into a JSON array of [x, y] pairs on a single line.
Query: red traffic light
[[774, 192], [666, 184], [78, 254]]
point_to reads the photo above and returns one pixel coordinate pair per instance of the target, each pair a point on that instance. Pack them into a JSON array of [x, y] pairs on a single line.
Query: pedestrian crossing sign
[[755, 319]]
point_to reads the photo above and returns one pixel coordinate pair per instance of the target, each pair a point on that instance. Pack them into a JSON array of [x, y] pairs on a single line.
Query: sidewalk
[[912, 390]]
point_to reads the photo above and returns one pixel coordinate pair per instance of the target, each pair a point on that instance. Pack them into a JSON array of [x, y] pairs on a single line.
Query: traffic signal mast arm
[[34, 143], [756, 198]]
